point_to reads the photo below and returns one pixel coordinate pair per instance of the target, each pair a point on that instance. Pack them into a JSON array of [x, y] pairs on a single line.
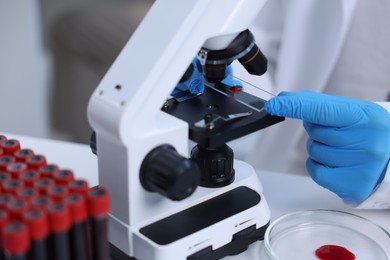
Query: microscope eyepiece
[[243, 48]]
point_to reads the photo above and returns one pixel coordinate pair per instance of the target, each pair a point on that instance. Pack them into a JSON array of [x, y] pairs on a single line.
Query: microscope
[[167, 202]]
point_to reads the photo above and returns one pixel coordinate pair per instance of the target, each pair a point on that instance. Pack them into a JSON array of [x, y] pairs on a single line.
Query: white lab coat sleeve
[[380, 198]]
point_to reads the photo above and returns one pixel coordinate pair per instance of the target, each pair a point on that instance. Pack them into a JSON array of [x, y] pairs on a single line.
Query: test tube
[[79, 186], [16, 208], [22, 154], [16, 168], [59, 222], [3, 138], [38, 226], [27, 194], [58, 193], [4, 176], [36, 161], [63, 177], [48, 170], [41, 203], [29, 177], [79, 235], [16, 241], [12, 187], [43, 185], [5, 160], [10, 146], [4, 200], [98, 207], [4, 219]]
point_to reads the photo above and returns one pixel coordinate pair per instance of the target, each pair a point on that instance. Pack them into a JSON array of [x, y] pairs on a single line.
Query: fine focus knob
[[168, 173]]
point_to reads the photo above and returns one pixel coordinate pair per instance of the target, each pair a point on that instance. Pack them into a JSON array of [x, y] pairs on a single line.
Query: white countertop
[[285, 193]]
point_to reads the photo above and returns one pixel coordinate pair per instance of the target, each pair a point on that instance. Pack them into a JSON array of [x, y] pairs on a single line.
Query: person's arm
[[348, 146]]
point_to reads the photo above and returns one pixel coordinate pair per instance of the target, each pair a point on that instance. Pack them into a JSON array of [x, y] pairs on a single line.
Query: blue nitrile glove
[[195, 83], [349, 140]]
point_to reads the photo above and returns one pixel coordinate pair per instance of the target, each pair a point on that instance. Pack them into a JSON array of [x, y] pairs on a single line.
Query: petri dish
[[310, 234]]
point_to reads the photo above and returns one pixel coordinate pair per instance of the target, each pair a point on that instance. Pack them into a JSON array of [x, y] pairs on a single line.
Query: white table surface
[[285, 193]]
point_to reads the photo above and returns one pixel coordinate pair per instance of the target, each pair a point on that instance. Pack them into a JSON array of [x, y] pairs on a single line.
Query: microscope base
[[220, 226], [239, 244]]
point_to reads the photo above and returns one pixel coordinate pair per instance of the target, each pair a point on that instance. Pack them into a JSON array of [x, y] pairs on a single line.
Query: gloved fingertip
[[273, 107]]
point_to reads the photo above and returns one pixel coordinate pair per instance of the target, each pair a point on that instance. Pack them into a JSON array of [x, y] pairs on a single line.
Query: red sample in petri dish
[[334, 252]]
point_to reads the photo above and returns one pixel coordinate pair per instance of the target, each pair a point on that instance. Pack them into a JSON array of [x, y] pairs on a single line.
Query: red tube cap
[[23, 154], [12, 186], [43, 185], [37, 223], [5, 160], [17, 208], [78, 207], [79, 186], [41, 203], [58, 193], [59, 217], [16, 168], [63, 177], [3, 138], [5, 199], [29, 177], [36, 161], [48, 170], [28, 194], [15, 238], [98, 201], [4, 218], [10, 146]]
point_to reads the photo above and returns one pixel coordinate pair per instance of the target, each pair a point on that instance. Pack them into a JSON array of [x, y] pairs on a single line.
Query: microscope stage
[[220, 115]]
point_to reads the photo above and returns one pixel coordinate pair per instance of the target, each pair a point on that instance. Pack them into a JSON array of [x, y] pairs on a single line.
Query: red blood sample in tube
[[79, 186], [36, 161], [16, 241], [59, 223], [23, 154], [5, 160], [80, 241], [63, 177], [98, 206], [334, 252], [1, 152], [38, 226], [10, 146], [16, 168], [48, 170], [29, 177]]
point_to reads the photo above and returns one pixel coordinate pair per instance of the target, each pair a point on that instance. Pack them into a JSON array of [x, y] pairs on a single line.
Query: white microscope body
[[125, 113]]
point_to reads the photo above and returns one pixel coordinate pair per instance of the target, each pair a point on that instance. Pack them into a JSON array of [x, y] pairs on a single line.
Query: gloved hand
[[195, 82], [349, 140]]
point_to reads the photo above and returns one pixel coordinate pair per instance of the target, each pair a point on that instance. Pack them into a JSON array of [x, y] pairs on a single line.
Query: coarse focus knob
[[216, 165], [168, 173]]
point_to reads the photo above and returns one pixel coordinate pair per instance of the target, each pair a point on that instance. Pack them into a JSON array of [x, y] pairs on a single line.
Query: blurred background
[[53, 53]]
